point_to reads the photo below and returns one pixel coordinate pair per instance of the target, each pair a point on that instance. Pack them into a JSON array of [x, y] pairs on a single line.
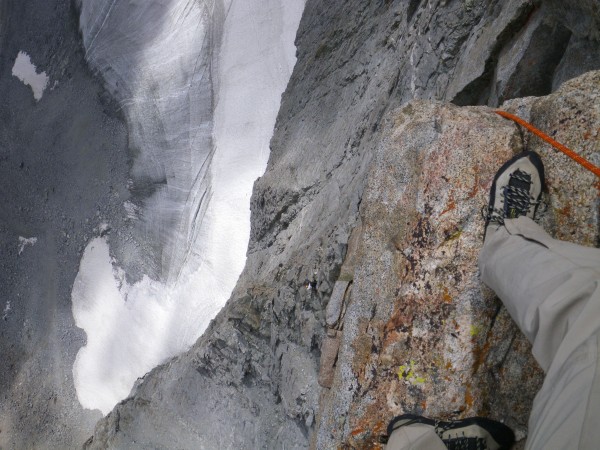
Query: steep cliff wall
[[419, 331]]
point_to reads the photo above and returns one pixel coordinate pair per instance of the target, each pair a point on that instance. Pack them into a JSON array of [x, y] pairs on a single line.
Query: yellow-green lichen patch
[[406, 372], [475, 330]]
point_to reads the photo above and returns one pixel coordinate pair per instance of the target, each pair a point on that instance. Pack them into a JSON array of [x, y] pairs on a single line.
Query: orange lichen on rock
[[401, 317], [468, 397], [446, 295], [450, 206]]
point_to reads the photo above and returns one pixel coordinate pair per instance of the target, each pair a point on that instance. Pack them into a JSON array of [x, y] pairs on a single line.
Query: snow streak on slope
[[160, 59], [256, 60]]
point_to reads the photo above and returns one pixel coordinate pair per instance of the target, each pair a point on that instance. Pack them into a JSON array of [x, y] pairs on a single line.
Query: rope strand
[[567, 151]]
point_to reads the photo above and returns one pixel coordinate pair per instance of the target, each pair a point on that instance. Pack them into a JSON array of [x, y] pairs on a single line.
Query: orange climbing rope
[[567, 151]]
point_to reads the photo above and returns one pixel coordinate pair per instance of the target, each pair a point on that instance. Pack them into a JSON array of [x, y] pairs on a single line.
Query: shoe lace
[[458, 441], [517, 201], [466, 443]]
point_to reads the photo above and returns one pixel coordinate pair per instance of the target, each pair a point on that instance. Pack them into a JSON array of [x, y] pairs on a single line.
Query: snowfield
[[206, 154]]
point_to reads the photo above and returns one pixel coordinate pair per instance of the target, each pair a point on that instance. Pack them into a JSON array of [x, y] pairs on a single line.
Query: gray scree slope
[[63, 168]]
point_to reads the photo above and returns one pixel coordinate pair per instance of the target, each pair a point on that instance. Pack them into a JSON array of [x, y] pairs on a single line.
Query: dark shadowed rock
[[580, 56]]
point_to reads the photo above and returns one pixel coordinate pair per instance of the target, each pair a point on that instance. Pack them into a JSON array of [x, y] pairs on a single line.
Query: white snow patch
[[25, 71], [6, 310], [25, 241], [132, 328]]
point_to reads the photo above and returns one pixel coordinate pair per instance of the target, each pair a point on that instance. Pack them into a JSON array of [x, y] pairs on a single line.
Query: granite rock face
[[422, 334], [419, 326], [384, 196]]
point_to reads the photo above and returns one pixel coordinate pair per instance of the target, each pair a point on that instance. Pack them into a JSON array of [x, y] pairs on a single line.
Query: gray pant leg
[[415, 437], [552, 290]]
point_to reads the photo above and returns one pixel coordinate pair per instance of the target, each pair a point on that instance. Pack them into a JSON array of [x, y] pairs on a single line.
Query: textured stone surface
[[422, 334], [336, 302], [420, 326], [329, 353], [251, 380], [527, 63], [581, 56]]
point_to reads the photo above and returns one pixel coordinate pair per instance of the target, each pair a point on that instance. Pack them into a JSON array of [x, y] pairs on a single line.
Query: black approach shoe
[[516, 189], [475, 433]]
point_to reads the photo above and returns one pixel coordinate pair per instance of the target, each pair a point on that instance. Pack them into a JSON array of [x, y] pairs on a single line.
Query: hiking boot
[[475, 433], [516, 190]]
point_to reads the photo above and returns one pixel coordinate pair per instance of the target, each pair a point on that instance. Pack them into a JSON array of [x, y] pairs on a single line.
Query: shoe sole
[[501, 433]]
